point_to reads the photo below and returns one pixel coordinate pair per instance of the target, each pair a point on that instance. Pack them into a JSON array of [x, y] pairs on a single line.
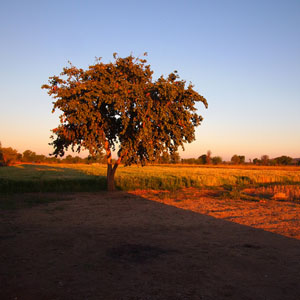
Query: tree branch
[[108, 152], [119, 160]]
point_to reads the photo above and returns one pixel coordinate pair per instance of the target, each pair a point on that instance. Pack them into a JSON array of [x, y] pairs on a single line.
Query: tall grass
[[77, 177]]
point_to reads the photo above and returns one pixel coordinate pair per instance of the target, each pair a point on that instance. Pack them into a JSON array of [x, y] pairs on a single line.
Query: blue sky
[[243, 56]]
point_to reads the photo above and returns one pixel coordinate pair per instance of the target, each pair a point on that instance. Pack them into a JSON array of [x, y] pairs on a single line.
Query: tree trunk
[[111, 170], [111, 177]]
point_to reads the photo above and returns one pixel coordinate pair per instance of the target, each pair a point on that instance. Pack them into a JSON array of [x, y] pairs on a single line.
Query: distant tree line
[[9, 156], [204, 159], [281, 160]]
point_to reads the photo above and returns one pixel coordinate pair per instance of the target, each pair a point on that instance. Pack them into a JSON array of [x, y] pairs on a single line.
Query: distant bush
[[238, 159], [216, 160], [9, 156], [283, 160], [277, 161], [1, 159]]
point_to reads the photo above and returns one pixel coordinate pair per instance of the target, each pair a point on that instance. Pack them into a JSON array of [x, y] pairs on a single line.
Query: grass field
[[283, 182]]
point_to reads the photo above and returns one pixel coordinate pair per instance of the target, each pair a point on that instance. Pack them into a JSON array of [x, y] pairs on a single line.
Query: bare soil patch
[[150, 245]]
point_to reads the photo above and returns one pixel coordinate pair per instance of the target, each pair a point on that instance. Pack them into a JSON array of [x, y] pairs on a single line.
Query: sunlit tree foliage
[[118, 106]]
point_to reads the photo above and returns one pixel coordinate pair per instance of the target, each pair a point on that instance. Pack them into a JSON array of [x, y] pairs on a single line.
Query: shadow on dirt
[[120, 246]]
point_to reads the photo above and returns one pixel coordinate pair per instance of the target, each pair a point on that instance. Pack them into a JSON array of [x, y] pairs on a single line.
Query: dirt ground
[[148, 245]]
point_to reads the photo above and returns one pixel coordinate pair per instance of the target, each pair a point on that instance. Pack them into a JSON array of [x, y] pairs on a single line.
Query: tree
[[29, 156], [238, 159], [216, 160], [190, 161], [40, 158], [208, 157], [1, 156], [175, 158], [256, 161], [69, 159], [283, 160], [202, 159], [164, 158], [265, 159], [235, 159], [242, 159], [9, 156], [99, 158], [117, 106]]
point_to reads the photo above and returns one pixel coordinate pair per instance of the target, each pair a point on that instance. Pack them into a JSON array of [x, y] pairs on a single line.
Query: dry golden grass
[[276, 192], [61, 177], [282, 217]]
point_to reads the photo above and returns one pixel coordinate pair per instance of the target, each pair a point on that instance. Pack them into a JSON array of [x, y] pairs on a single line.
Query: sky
[[242, 56]]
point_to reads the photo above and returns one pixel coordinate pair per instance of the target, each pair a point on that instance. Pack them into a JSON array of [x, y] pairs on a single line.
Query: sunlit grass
[[83, 177], [276, 192]]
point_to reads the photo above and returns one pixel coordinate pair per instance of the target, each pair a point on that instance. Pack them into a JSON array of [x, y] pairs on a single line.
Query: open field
[[247, 181]]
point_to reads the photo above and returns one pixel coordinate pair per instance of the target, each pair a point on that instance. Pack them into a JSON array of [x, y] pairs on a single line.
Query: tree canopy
[[238, 159], [117, 106], [8, 156]]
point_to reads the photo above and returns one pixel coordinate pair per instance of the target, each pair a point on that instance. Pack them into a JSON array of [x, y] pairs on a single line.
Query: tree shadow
[[47, 178], [121, 246]]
